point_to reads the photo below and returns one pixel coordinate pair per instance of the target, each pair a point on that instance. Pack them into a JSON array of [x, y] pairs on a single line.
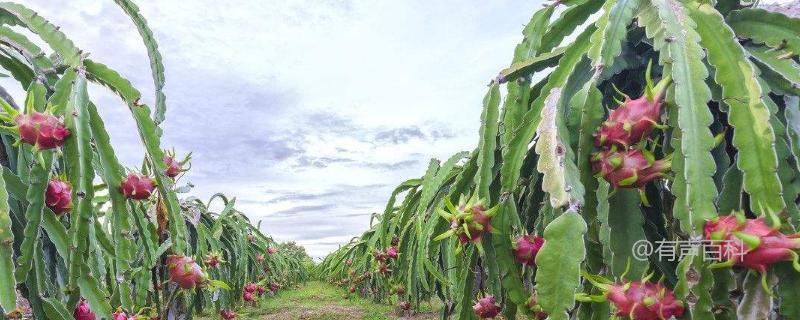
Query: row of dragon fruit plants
[[663, 122], [81, 236]]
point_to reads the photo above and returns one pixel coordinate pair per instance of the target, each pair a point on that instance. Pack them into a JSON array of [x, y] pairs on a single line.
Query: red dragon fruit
[[137, 187], [352, 290], [83, 312], [275, 286], [633, 119], [751, 243], [644, 301], [533, 305], [468, 222], [248, 296], [405, 305], [259, 258], [186, 273], [383, 268], [42, 130], [392, 252], [213, 259], [227, 315], [526, 247], [250, 287], [379, 256], [121, 315], [629, 169], [271, 250], [261, 290], [486, 308], [59, 196]]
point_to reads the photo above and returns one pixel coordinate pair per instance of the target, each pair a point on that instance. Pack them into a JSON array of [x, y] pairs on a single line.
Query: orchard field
[[637, 159]]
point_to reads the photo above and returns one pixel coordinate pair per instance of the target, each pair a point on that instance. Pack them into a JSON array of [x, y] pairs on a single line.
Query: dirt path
[[321, 301]]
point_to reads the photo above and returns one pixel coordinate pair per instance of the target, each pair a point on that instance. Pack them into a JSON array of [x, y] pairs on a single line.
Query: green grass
[[321, 301]]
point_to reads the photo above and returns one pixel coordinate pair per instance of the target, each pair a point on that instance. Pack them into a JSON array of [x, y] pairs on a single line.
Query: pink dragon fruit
[[83, 312], [59, 196], [468, 222], [405, 305], [633, 119], [271, 250], [751, 243], [392, 252], [44, 131], [186, 273], [261, 290], [174, 168], [644, 301], [259, 258], [137, 187], [526, 247], [227, 315], [629, 169], [250, 287], [486, 308]]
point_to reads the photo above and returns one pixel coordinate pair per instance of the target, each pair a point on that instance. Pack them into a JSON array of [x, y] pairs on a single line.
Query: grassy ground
[[322, 301]]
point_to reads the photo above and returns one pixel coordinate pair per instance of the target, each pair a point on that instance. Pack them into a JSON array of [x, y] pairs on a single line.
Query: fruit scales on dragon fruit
[[58, 196], [634, 119], [42, 130], [750, 243], [526, 247], [486, 308], [636, 300], [186, 273], [469, 221]]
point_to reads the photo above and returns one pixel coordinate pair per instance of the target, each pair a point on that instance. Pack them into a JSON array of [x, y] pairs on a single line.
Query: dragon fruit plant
[[80, 239], [617, 122]]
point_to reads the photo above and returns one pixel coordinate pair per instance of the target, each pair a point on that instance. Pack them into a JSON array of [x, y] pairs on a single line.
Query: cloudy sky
[[308, 112]]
